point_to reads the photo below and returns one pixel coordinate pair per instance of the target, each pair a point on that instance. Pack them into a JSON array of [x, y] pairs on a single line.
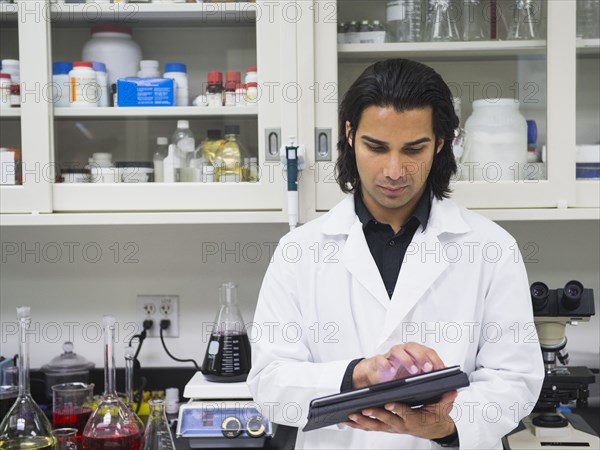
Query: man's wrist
[[450, 440]]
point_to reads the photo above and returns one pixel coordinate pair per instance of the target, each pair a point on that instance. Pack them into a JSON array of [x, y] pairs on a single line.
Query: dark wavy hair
[[404, 85]]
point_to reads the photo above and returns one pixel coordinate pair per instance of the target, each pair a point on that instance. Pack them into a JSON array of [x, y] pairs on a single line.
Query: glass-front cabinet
[[588, 103], [193, 88], [505, 62], [25, 172]]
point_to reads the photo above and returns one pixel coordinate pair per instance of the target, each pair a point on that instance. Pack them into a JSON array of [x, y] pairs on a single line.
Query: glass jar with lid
[[68, 367]]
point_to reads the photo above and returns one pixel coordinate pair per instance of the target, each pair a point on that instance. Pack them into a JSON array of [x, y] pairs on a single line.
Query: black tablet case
[[413, 394]]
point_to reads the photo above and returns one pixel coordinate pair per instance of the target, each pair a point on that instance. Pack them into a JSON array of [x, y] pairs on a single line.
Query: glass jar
[[495, 141]]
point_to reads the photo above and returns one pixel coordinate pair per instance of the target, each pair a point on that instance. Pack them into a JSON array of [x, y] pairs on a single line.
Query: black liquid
[[227, 358]]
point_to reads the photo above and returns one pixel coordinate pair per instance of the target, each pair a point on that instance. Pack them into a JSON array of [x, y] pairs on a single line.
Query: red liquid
[[75, 417], [130, 442]]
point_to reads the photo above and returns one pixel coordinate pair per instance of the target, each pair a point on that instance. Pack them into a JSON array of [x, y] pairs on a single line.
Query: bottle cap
[[252, 84], [232, 76], [175, 67], [10, 62], [531, 132], [213, 134], [149, 64], [215, 78], [183, 124], [162, 140], [5, 75], [251, 69], [240, 86], [230, 85], [98, 66], [232, 129], [82, 64], [111, 29], [172, 394], [61, 68]]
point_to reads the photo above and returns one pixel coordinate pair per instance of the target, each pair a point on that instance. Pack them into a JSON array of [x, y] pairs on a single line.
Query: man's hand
[[400, 361], [428, 422]]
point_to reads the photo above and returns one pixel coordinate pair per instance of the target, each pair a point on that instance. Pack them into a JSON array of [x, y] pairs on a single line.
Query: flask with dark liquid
[[25, 426], [112, 426], [228, 353]]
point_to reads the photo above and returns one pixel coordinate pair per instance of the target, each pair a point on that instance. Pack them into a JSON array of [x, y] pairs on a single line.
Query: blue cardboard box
[[145, 91]]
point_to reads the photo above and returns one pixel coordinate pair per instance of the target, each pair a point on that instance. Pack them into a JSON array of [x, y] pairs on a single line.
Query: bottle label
[[186, 145], [84, 90]]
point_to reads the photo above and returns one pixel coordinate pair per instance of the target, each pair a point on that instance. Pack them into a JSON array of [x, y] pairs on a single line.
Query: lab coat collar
[[445, 217], [419, 270]]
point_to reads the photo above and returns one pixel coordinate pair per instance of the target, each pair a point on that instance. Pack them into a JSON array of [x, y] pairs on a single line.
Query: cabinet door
[[206, 37], [588, 104], [531, 71], [26, 178]]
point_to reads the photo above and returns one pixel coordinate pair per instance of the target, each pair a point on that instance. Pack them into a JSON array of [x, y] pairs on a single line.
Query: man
[[397, 280]]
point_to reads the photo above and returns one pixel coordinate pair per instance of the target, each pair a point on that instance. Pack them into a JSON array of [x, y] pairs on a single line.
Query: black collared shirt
[[388, 248]]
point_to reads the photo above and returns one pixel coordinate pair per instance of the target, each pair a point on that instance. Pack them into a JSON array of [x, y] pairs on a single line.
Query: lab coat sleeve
[[284, 377], [509, 372]]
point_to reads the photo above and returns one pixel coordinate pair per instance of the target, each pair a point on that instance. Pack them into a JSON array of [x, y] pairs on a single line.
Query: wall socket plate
[[156, 308]]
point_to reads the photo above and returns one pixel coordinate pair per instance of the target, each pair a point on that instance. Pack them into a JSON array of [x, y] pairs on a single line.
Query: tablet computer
[[414, 391]]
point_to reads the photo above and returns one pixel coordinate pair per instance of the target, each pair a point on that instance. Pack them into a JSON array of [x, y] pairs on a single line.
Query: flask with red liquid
[[112, 425]]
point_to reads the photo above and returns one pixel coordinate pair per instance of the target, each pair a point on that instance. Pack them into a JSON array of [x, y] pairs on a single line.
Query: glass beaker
[[72, 406], [111, 426], [227, 356], [158, 435], [526, 20], [9, 389], [476, 23], [442, 21], [66, 438], [25, 426]]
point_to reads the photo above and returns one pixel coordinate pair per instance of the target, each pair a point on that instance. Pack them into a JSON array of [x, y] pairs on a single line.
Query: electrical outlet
[[157, 308]]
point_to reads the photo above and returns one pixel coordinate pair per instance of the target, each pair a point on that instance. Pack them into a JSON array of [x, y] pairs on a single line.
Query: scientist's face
[[394, 153]]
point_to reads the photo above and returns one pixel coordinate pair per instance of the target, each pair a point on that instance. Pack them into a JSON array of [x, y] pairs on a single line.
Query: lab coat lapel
[[359, 262], [424, 262]]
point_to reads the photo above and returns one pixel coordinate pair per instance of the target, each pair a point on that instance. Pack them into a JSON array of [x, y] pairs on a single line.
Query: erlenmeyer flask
[[111, 425], [526, 20], [476, 25], [129, 358], [158, 435], [25, 426], [228, 354], [442, 21]]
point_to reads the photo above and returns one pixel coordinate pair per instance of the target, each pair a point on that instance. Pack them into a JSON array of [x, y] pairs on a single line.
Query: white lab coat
[[462, 290]]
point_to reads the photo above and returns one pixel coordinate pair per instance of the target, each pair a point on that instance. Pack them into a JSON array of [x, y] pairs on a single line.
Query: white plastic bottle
[[148, 69], [83, 90], [102, 79], [12, 67], [162, 150], [60, 80], [115, 47], [178, 72], [184, 142]]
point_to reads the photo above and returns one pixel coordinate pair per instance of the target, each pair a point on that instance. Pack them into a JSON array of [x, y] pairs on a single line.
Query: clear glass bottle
[[158, 435], [184, 142], [161, 152], [228, 158], [227, 356], [129, 358], [25, 426], [112, 426]]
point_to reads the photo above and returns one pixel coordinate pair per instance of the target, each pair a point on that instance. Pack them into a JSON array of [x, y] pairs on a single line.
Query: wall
[[191, 261]]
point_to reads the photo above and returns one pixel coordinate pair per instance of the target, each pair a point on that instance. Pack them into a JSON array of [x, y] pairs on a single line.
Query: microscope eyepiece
[[571, 296], [539, 295]]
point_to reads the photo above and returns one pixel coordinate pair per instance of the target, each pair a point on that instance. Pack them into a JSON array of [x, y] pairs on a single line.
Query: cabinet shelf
[[230, 14], [10, 113], [588, 47], [459, 51], [9, 13], [174, 111]]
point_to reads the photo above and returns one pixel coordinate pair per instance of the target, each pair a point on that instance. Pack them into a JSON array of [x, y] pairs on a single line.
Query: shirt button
[[392, 243]]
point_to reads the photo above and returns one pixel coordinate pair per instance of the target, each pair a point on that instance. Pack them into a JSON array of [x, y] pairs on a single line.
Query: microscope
[[553, 309]]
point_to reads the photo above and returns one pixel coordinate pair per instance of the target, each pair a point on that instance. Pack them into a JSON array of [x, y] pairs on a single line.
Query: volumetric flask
[[227, 356], [112, 426]]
